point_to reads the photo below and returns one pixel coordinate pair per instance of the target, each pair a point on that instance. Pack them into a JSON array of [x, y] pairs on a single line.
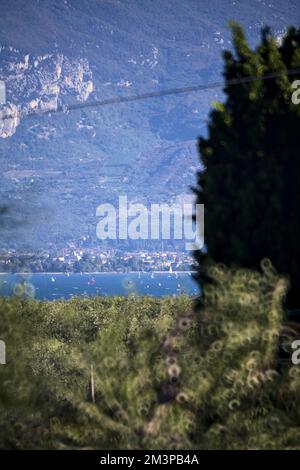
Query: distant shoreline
[[96, 272]]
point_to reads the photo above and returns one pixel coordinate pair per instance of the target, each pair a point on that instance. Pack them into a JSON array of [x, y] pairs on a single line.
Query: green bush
[[146, 373]]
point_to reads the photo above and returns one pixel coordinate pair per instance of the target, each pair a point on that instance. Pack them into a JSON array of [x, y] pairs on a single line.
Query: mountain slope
[[61, 52]]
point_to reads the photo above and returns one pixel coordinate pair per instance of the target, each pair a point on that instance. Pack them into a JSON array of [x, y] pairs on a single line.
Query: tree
[[250, 185]]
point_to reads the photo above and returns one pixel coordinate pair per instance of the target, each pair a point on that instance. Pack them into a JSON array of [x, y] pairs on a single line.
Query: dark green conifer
[[250, 184]]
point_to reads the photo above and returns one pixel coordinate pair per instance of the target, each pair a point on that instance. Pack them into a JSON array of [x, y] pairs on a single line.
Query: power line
[[156, 94]]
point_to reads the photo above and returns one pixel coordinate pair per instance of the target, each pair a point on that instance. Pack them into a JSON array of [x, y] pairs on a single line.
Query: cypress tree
[[250, 183]]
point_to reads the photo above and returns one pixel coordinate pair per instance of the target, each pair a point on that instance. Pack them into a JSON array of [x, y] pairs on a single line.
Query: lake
[[53, 286]]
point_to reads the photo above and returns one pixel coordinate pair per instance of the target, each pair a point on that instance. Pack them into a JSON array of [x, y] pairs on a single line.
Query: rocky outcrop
[[39, 84]]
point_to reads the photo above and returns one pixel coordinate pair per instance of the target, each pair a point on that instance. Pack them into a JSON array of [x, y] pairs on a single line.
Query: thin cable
[[155, 94]]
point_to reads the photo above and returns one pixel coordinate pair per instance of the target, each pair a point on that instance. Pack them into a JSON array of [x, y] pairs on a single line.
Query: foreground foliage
[[130, 373]]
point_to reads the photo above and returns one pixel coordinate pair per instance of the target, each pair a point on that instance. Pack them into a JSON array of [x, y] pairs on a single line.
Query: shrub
[[145, 373]]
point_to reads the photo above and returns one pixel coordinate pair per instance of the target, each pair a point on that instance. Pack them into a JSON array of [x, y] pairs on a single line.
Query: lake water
[[62, 286]]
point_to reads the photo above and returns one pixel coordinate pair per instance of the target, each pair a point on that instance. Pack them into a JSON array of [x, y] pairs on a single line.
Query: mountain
[[57, 168]]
